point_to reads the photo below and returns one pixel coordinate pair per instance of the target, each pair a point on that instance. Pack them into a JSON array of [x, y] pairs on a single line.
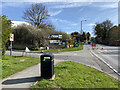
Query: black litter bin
[[47, 65]]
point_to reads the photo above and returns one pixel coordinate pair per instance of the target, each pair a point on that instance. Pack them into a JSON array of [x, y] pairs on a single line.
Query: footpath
[[25, 79]]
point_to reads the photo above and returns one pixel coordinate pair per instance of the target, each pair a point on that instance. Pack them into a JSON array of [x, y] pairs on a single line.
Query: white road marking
[[75, 54], [91, 54]]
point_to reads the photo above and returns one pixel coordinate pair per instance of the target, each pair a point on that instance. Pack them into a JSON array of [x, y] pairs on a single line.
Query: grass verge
[[13, 64], [65, 49], [75, 75]]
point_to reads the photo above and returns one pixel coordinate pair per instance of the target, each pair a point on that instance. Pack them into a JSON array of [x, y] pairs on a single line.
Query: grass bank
[[13, 64], [75, 75]]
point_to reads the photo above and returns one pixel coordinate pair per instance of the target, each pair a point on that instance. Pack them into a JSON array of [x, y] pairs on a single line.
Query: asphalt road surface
[[110, 55], [86, 57]]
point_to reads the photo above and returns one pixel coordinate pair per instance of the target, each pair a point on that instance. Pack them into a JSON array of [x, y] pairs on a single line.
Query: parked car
[[89, 42]]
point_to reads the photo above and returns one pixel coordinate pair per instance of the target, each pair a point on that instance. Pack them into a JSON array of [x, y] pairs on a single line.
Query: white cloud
[[59, 20], [62, 3], [91, 24], [55, 13], [113, 5], [74, 24], [63, 21], [14, 4], [60, 0], [70, 5], [107, 5]]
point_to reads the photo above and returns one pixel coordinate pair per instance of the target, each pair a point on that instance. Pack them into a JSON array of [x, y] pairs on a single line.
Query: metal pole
[[81, 32], [81, 27], [11, 49]]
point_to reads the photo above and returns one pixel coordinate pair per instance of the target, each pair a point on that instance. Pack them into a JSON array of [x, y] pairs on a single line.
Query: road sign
[[56, 36], [55, 42], [11, 37], [71, 42]]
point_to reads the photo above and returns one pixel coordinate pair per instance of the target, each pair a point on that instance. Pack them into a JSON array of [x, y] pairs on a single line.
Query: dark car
[[89, 42]]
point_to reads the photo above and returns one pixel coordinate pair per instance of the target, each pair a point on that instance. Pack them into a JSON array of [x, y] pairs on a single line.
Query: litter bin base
[[53, 77], [50, 78]]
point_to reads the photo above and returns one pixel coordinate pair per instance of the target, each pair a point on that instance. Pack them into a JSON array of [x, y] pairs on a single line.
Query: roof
[[16, 23]]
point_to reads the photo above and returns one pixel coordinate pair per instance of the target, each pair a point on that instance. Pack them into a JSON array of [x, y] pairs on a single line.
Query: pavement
[[29, 76], [25, 79]]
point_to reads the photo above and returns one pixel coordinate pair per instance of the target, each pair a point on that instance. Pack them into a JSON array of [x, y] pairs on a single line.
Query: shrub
[[6, 30]]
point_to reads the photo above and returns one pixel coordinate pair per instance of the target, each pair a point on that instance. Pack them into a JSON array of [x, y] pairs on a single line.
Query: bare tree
[[36, 15]]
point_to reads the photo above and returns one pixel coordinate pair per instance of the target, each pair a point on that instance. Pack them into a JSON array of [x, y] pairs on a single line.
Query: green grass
[[75, 75], [65, 49], [13, 64]]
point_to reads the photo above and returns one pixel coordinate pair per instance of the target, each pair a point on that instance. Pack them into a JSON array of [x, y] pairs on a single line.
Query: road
[[86, 57], [110, 55]]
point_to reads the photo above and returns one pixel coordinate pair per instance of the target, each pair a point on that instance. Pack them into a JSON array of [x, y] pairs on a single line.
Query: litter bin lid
[[47, 55]]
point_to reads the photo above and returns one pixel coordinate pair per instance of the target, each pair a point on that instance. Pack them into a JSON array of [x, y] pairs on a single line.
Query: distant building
[[16, 23]]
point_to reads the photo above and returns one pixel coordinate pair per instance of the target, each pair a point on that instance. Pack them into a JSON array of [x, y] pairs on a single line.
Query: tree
[[76, 35], [92, 38], [88, 36], [84, 36], [106, 26], [28, 35], [6, 30], [114, 33], [36, 15], [101, 30]]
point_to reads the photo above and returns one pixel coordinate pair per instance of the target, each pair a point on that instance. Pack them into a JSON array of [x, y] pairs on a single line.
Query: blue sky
[[67, 16]]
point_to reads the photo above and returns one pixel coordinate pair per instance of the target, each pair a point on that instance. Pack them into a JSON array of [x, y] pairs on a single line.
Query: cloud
[[55, 13], [70, 5], [113, 5], [59, 4], [60, 0], [74, 24], [63, 21], [106, 5], [14, 4], [91, 24]]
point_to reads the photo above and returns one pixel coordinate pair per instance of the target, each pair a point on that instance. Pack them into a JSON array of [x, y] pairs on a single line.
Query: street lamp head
[[83, 20]]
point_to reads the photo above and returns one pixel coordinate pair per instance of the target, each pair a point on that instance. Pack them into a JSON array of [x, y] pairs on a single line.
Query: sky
[[67, 16]]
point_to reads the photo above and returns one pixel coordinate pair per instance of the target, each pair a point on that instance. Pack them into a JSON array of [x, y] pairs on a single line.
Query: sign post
[[11, 39]]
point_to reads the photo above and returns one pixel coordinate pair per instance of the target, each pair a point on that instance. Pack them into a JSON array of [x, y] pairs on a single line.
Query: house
[[16, 23]]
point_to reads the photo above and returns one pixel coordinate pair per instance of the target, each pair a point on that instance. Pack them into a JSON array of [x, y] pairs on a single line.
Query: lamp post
[[81, 25], [81, 29]]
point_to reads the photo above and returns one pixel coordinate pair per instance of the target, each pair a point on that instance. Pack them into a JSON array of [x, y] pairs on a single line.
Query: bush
[[6, 30], [34, 37]]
